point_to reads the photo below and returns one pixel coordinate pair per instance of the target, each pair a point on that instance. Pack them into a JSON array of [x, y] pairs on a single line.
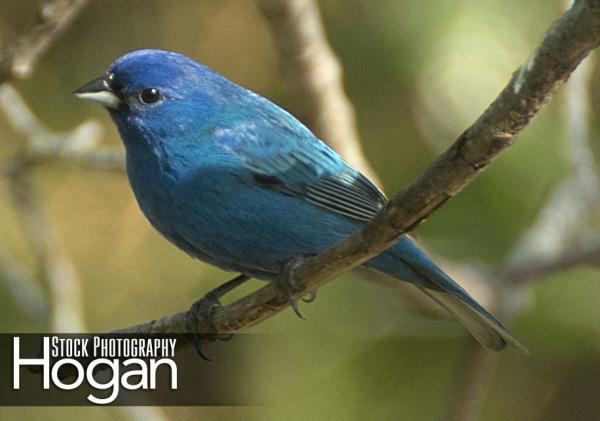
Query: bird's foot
[[200, 315], [286, 282]]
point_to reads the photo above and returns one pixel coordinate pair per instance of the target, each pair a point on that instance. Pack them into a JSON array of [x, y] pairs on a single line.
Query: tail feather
[[484, 327], [406, 261]]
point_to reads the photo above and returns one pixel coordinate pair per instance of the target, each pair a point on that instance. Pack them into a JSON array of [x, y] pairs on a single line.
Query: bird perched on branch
[[234, 180]]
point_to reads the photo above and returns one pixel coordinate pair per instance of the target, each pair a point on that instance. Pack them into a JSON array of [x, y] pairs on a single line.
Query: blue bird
[[236, 181]]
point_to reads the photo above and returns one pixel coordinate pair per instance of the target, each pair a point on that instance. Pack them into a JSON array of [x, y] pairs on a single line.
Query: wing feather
[[281, 153]]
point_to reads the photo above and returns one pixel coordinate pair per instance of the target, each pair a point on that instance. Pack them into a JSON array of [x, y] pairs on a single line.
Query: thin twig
[[532, 85], [77, 146], [575, 200], [58, 274], [56, 270], [314, 74], [51, 20], [527, 274], [25, 291]]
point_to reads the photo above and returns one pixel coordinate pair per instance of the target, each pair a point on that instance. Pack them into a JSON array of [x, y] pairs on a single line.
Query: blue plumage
[[236, 181]]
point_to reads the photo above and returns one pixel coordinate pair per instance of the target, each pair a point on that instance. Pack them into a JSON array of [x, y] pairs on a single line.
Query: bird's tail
[[407, 261], [484, 327]]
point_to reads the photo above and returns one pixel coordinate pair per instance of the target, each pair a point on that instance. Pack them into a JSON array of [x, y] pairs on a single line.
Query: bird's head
[[153, 89]]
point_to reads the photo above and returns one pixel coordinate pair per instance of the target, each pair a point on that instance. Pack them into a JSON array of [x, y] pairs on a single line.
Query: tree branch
[[588, 255], [42, 144], [564, 218], [52, 18], [532, 85], [24, 289], [56, 269]]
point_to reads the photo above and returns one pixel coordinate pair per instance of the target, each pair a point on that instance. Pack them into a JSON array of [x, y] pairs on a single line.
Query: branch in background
[[52, 18], [78, 146], [563, 219], [587, 255], [532, 85], [58, 274], [56, 270], [18, 61], [578, 110], [315, 76], [26, 292]]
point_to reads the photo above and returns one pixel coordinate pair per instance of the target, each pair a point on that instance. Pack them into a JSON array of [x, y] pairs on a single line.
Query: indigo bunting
[[236, 181]]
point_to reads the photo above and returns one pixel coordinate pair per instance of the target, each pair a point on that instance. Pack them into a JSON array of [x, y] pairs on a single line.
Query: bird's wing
[[282, 154]]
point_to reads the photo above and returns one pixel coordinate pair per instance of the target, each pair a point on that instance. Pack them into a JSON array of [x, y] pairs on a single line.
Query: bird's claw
[[201, 314], [286, 283], [294, 304], [311, 297]]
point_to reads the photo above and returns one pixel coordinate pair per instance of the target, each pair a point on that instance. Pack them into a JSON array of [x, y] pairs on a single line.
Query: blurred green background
[[418, 74]]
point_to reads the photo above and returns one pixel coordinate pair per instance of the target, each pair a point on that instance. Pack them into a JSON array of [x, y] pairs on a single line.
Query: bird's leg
[[201, 313], [286, 282]]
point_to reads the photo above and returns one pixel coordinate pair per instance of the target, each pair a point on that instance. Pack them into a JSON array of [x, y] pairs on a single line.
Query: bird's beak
[[99, 90]]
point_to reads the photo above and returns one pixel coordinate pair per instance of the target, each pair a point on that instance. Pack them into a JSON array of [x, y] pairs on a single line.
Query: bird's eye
[[150, 95]]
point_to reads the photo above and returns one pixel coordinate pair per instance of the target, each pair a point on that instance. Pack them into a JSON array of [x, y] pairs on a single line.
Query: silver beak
[[98, 90]]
